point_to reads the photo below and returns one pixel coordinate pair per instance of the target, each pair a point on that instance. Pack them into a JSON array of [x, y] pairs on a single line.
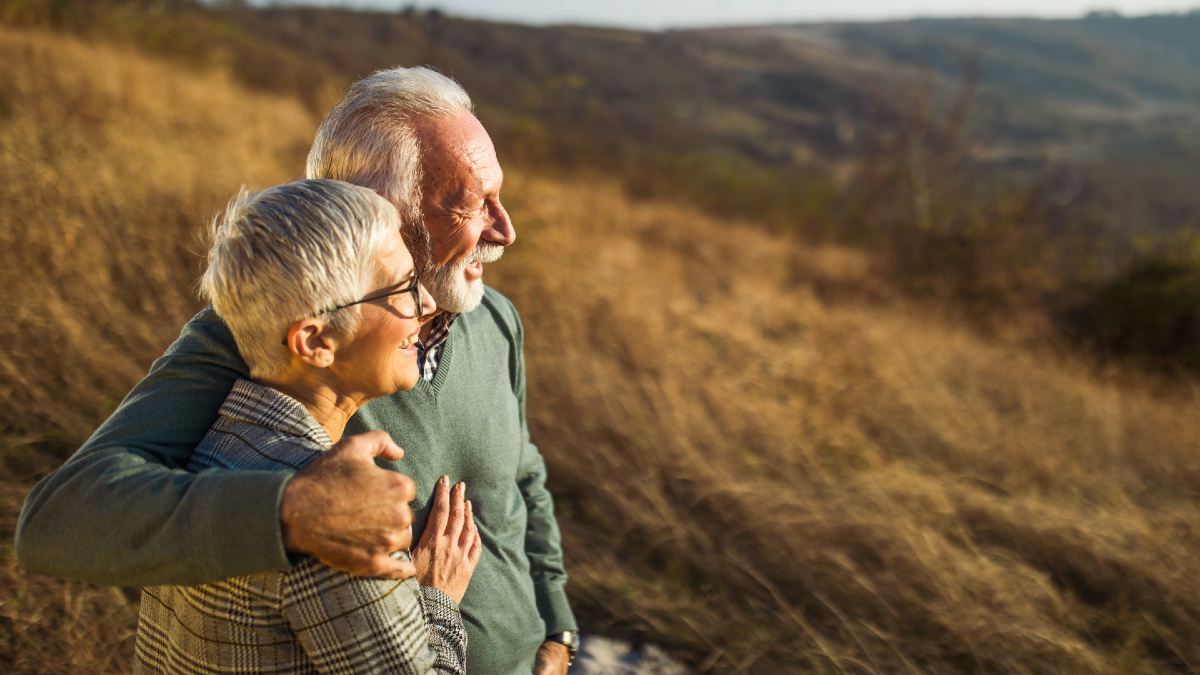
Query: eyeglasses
[[413, 291]]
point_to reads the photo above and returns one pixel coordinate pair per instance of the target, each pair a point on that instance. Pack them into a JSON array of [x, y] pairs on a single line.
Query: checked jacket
[[308, 619]]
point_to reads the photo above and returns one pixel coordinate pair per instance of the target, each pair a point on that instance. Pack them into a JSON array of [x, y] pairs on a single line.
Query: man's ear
[[311, 341]]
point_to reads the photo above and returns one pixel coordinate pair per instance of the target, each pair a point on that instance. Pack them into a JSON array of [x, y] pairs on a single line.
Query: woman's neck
[[329, 407]]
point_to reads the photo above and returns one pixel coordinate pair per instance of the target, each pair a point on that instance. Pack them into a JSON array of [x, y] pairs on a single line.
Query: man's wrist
[[568, 639], [288, 514]]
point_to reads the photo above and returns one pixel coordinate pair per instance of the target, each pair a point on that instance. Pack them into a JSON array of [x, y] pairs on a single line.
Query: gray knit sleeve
[[447, 636]]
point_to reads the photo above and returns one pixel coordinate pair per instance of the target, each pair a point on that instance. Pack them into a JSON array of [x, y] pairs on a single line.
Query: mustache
[[486, 252]]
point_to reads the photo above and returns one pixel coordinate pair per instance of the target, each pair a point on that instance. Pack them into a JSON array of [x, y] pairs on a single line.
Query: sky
[[660, 14]]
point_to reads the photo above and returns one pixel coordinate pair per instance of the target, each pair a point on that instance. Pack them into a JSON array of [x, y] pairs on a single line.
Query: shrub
[[1150, 313]]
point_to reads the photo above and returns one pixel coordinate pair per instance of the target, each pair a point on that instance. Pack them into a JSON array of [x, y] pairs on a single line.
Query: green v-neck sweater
[[121, 510], [469, 424]]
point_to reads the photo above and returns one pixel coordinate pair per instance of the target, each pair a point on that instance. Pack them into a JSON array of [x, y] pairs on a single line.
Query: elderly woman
[[323, 299]]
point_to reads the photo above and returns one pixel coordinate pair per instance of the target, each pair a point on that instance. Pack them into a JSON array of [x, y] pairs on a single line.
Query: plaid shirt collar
[[439, 330], [431, 346], [254, 403]]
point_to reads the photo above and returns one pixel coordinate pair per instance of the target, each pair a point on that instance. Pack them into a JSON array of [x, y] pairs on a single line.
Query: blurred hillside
[[998, 167], [1065, 101]]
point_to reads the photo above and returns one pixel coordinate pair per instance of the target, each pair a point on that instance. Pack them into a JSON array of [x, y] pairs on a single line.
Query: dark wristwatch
[[570, 640]]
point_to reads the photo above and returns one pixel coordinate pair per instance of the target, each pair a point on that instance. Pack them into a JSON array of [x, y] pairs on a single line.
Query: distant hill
[[753, 120], [1059, 89], [1102, 114], [998, 166]]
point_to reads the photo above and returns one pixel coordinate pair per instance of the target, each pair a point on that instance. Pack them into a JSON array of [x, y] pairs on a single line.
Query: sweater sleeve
[[123, 511], [543, 544]]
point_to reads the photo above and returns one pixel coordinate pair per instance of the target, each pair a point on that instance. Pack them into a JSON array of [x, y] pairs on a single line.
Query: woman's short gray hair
[[288, 253], [369, 138]]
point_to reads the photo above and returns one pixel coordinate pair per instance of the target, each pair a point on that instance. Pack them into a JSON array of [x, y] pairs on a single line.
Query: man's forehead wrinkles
[[476, 156]]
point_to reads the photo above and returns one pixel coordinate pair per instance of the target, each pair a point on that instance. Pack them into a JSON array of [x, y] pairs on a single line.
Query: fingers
[[476, 549], [439, 516], [369, 445], [387, 567], [398, 537], [457, 512], [469, 529], [429, 534], [405, 488], [354, 559]]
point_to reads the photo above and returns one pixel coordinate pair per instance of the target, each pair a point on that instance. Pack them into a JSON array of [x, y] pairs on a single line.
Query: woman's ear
[[310, 341]]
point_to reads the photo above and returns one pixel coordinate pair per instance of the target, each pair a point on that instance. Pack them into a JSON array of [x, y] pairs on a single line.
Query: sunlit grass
[[763, 460]]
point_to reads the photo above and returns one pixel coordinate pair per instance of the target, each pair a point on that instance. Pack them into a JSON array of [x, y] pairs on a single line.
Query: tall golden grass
[[763, 460], [108, 165]]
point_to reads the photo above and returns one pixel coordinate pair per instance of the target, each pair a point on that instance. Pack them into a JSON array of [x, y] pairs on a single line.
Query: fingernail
[[463, 486], [468, 506], [443, 480]]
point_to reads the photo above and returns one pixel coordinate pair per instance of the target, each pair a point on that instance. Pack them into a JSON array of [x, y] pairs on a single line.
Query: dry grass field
[[764, 460]]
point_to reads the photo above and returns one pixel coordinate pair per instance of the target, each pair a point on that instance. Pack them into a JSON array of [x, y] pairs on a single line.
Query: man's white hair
[[288, 253], [369, 138]]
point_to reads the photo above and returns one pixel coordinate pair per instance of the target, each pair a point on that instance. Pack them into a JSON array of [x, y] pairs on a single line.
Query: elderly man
[[123, 511]]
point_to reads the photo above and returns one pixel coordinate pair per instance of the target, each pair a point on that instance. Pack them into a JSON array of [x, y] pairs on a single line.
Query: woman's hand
[[450, 546]]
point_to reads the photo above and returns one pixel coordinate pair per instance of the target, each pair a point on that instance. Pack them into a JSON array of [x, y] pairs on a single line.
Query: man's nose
[[502, 230]]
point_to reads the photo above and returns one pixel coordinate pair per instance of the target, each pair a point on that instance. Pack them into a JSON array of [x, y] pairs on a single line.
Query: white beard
[[449, 286]]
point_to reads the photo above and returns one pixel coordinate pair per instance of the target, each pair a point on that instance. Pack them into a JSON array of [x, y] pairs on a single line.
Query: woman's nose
[[428, 305]]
